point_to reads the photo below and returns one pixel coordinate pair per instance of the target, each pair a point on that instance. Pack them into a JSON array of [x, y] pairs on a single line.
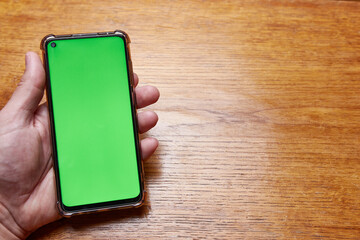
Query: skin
[[27, 182]]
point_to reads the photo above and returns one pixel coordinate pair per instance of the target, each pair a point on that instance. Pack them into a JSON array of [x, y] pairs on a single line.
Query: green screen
[[93, 122]]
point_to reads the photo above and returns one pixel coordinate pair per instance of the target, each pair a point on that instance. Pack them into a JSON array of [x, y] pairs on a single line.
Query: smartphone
[[94, 130]]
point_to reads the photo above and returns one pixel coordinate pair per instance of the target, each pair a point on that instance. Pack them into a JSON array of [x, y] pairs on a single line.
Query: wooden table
[[259, 114]]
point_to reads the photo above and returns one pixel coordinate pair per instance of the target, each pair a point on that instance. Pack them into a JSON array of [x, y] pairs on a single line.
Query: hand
[[27, 182]]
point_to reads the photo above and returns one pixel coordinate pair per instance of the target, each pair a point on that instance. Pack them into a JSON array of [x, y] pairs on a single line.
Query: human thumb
[[30, 89]]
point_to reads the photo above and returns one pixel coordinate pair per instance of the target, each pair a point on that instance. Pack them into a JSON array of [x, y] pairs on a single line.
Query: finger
[[136, 79], [42, 118], [146, 95], [146, 120], [30, 90], [42, 113], [148, 147]]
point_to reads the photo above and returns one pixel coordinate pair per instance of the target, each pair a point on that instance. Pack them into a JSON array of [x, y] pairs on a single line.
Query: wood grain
[[259, 114]]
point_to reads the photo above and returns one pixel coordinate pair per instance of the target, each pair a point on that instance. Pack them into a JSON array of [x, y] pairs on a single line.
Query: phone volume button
[[131, 70], [128, 47]]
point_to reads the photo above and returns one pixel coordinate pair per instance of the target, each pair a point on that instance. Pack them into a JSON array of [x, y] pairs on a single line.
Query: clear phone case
[[125, 36]]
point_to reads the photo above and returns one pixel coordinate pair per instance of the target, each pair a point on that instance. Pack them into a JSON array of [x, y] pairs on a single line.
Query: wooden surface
[[259, 114]]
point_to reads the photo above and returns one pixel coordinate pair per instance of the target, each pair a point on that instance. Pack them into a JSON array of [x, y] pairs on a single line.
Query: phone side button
[[132, 77], [129, 51]]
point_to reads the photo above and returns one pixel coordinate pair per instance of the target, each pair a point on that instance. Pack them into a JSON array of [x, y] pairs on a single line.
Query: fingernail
[[27, 59]]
